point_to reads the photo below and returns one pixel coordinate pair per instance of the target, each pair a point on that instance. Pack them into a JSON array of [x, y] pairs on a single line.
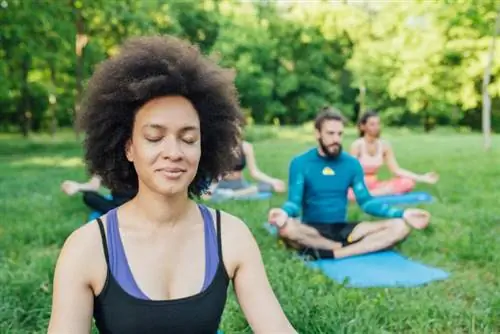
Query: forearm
[[246, 191], [296, 181], [262, 177], [372, 205], [92, 185], [377, 208], [87, 187], [409, 174]]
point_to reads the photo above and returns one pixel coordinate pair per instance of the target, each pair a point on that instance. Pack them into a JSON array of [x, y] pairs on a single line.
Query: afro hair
[[144, 69]]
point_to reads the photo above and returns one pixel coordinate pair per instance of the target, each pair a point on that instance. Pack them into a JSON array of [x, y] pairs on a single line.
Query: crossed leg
[[298, 235], [366, 237], [371, 237]]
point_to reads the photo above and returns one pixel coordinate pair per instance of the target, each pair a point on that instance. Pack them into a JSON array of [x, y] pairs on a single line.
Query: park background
[[428, 67]]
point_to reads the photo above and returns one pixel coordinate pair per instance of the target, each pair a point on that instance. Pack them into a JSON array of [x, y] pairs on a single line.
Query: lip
[[171, 173], [171, 170]]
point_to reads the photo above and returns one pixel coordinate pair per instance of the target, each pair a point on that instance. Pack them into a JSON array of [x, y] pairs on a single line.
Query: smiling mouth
[[171, 173]]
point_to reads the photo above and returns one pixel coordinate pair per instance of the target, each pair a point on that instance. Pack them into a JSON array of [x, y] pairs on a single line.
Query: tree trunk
[[428, 122], [24, 100], [80, 43], [486, 112], [362, 100], [53, 100]]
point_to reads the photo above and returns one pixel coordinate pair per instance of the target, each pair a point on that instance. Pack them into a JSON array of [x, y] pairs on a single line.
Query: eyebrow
[[161, 127]]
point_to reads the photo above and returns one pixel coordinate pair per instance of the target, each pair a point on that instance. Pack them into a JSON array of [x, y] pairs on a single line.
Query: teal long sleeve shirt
[[318, 188]]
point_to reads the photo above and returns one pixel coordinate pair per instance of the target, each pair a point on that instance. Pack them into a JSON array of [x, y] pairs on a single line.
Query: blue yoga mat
[[94, 215], [415, 197], [252, 197], [381, 269]]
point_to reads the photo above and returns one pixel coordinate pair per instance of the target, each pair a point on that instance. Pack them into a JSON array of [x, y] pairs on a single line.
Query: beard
[[331, 151]]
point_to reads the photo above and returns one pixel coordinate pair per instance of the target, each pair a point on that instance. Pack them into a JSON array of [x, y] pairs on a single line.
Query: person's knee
[[264, 187], [407, 184], [400, 230]]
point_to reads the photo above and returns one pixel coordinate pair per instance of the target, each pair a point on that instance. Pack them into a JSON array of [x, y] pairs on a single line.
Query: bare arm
[[354, 150], [255, 172], [93, 184], [72, 298], [255, 295], [392, 164], [72, 187]]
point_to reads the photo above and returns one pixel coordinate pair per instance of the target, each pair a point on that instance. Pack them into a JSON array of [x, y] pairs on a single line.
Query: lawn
[[463, 239]]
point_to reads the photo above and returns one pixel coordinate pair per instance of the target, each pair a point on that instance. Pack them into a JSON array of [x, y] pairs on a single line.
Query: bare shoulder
[[82, 251], [386, 145], [247, 147], [85, 237], [356, 144]]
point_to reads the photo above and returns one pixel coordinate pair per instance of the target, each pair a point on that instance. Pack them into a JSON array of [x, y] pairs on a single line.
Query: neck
[[161, 210], [370, 139], [322, 154]]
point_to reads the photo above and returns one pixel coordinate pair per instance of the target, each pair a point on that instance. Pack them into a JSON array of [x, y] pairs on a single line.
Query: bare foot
[[417, 218]]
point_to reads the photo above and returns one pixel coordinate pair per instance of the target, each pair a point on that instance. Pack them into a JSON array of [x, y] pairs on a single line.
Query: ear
[[318, 134], [128, 150]]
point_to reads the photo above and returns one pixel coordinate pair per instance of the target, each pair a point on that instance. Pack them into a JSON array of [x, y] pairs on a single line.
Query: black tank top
[[241, 161], [117, 312]]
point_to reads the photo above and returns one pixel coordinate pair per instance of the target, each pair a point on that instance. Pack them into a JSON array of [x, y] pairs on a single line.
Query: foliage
[[419, 62]]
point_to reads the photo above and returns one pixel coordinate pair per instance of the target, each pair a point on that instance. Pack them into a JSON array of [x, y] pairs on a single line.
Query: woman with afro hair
[[161, 120]]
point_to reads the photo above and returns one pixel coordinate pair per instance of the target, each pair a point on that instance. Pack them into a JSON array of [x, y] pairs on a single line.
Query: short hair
[[364, 118], [328, 113], [146, 68]]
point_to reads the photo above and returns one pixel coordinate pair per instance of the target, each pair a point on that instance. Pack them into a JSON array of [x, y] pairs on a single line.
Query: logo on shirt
[[328, 171]]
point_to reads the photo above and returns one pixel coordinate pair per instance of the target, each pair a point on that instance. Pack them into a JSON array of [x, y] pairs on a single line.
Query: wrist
[[282, 225]]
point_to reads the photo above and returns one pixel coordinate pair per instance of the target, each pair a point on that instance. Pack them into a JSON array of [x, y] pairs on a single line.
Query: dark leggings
[[101, 204], [338, 232]]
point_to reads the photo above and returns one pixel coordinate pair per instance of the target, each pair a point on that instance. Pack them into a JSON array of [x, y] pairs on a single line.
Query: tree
[[486, 112]]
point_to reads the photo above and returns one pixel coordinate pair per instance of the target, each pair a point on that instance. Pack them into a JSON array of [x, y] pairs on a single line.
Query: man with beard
[[319, 180]]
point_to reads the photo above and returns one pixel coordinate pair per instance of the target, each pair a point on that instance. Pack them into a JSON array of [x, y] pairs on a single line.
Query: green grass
[[463, 239]]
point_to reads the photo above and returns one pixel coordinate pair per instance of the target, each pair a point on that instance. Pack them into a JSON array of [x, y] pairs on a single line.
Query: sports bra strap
[[103, 238], [219, 239]]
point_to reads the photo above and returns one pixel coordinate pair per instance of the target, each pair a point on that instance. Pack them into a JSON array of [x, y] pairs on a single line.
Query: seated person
[[234, 182], [319, 180], [91, 196], [372, 152]]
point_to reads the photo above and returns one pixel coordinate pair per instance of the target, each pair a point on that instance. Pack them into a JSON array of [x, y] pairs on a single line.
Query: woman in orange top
[[373, 152]]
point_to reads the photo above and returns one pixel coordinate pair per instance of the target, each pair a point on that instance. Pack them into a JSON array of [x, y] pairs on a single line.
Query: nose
[[171, 149]]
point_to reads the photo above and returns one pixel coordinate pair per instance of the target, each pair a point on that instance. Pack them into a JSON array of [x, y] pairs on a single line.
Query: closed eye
[[153, 139]]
